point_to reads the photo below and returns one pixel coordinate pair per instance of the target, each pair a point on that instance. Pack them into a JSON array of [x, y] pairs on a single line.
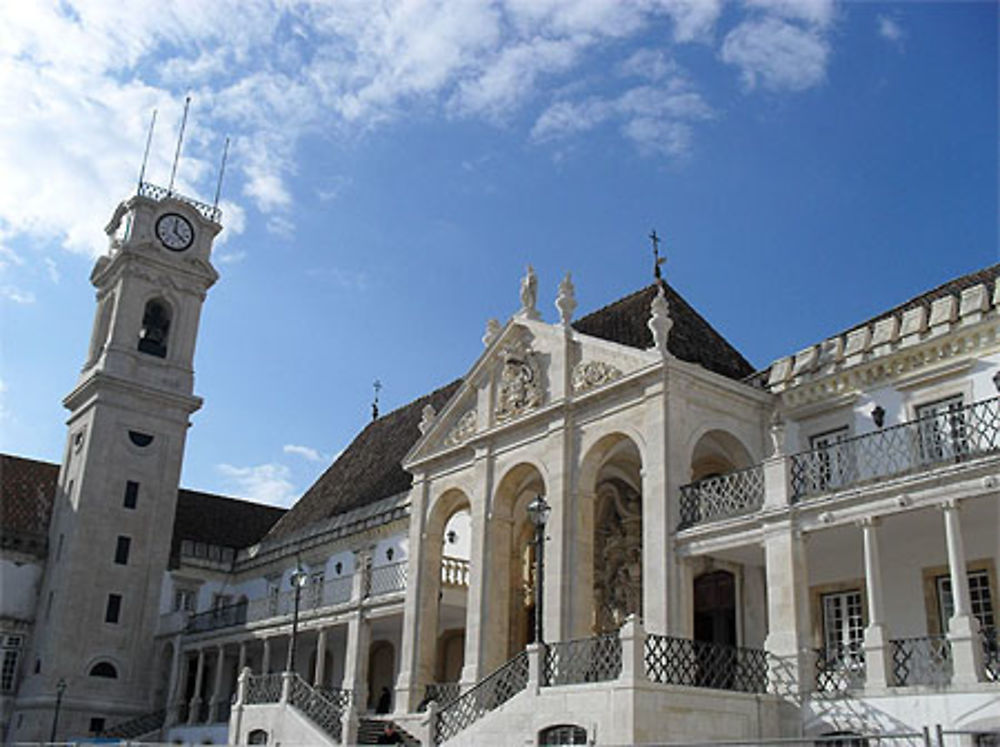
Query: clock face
[[174, 231]]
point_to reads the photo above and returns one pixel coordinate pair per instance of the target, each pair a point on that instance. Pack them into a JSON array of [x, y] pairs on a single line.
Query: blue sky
[[394, 166]]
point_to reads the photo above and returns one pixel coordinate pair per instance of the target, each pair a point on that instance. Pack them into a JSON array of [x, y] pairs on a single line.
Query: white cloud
[[264, 483], [816, 12], [230, 258], [280, 226], [306, 452], [352, 280], [652, 64], [4, 412], [11, 293], [693, 19], [890, 30], [777, 55], [52, 269]]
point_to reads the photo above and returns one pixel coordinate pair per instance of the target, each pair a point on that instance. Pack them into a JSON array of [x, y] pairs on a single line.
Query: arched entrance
[[381, 675], [715, 608]]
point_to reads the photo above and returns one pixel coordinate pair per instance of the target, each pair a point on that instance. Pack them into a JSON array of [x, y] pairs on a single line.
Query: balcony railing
[[158, 193], [954, 436], [681, 661], [840, 669], [385, 579], [489, 693], [220, 617], [585, 660], [454, 571], [264, 688], [731, 494], [921, 661], [335, 591], [991, 653]]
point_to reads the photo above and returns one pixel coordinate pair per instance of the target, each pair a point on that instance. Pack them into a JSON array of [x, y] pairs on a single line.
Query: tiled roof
[[368, 470], [691, 338], [27, 489], [217, 520]]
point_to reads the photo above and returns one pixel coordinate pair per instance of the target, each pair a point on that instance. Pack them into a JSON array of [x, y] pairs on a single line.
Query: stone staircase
[[137, 727], [370, 729]]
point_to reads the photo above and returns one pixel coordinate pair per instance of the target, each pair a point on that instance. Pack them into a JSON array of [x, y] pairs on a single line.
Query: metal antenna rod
[[145, 155], [180, 139], [222, 170]]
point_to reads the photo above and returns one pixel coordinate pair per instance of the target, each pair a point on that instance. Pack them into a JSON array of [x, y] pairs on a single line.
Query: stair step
[[370, 729]]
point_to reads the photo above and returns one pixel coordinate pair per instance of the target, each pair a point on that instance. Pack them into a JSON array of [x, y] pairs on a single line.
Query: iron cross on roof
[[657, 259], [377, 386]]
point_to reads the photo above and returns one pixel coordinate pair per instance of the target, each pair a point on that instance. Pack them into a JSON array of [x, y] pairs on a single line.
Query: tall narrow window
[[832, 463], [114, 608], [155, 329], [121, 550], [8, 669], [843, 627], [942, 430], [979, 596], [131, 494]]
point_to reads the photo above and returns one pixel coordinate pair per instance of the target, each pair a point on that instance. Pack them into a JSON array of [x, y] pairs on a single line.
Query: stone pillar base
[[878, 663], [966, 650]]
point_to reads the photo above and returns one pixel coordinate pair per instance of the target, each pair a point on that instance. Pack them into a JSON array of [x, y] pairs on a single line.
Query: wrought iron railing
[[954, 436], [731, 494], [585, 660], [155, 192], [681, 661], [991, 653], [263, 688], [220, 617], [385, 579], [314, 703], [334, 591], [337, 695], [489, 693], [921, 661], [136, 727], [454, 571], [442, 692], [840, 668]]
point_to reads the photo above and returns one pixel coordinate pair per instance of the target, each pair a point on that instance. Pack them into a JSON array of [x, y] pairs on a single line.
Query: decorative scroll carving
[[591, 374], [493, 329], [463, 429], [520, 387], [617, 554]]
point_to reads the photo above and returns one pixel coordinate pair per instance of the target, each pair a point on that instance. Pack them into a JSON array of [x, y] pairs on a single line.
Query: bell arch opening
[[155, 331]]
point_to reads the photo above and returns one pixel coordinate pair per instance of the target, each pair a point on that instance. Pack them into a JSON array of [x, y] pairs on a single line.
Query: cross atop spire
[[657, 259]]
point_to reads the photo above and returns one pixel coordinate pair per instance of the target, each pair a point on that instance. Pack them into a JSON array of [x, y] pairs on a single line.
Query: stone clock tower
[[110, 534]]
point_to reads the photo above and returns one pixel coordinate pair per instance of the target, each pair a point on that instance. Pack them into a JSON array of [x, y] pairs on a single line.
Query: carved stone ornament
[[492, 331], [617, 554], [529, 294], [463, 429], [592, 374], [660, 321], [427, 416], [520, 386], [566, 300]]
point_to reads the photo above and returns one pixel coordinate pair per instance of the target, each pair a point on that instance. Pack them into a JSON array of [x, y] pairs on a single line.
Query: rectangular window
[[843, 627], [979, 596], [121, 550], [221, 600], [114, 608], [316, 589], [832, 463], [131, 494], [942, 432], [184, 599], [96, 725], [8, 665], [273, 596]]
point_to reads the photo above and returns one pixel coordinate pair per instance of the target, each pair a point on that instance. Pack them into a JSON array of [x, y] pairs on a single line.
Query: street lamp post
[[298, 579], [538, 513], [60, 689]]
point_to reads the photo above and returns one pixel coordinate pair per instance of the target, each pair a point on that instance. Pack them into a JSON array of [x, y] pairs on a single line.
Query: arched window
[[104, 669], [155, 328], [563, 734], [257, 736]]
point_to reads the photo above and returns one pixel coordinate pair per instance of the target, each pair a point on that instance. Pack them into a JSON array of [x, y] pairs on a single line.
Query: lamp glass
[[538, 511]]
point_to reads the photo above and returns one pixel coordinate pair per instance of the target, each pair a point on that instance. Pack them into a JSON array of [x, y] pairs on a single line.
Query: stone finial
[[529, 294], [566, 300], [492, 331], [659, 321], [427, 416]]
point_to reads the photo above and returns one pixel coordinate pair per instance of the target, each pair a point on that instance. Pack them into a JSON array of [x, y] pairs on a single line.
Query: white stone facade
[[807, 550]]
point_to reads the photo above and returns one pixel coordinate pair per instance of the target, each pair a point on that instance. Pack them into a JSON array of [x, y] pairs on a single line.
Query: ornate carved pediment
[[520, 385], [463, 429], [592, 374]]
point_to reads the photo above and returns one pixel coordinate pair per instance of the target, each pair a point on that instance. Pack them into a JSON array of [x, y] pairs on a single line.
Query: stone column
[[658, 519], [196, 698], [174, 682], [320, 671], [477, 600], [777, 490], [242, 661], [420, 608], [213, 706], [558, 588], [876, 643], [265, 659], [356, 660], [963, 627], [633, 640], [536, 656], [787, 607], [581, 565]]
